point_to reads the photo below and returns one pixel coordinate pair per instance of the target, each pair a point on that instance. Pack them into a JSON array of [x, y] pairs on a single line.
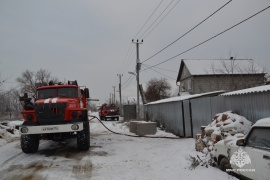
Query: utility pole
[[120, 75], [114, 94], [111, 99], [138, 67]]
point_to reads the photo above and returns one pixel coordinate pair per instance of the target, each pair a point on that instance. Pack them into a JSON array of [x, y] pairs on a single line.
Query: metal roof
[[181, 98], [257, 89]]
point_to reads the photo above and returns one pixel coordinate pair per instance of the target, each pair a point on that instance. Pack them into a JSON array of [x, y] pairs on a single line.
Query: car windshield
[[67, 92], [46, 93], [259, 138]]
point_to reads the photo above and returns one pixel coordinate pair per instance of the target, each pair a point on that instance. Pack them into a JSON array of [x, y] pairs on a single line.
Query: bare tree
[[157, 89], [9, 104], [29, 79], [237, 74]]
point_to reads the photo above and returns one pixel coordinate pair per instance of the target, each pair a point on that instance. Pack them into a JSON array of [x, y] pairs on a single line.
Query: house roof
[[219, 67], [263, 88]]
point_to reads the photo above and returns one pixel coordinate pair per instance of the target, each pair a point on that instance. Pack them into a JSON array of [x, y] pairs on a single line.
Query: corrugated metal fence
[[184, 118]]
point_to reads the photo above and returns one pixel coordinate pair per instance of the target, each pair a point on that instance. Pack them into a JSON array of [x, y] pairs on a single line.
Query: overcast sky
[[90, 41]]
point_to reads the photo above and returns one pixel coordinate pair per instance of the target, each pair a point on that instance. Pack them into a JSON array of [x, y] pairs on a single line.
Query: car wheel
[[105, 118], [225, 164]]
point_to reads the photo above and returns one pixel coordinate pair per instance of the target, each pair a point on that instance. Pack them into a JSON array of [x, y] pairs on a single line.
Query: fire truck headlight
[[74, 114], [75, 127], [24, 129], [29, 117]]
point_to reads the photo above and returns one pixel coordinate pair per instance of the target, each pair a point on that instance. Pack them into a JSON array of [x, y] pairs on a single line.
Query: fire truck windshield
[[52, 92], [46, 93], [67, 92]]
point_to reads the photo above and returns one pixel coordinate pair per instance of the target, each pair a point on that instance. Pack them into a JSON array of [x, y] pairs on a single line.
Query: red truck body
[[59, 112], [109, 111]]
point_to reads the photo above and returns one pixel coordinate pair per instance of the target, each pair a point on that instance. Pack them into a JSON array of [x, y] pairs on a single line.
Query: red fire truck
[[109, 111], [59, 112]]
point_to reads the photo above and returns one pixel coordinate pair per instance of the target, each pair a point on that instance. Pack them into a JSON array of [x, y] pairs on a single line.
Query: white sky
[[89, 40]]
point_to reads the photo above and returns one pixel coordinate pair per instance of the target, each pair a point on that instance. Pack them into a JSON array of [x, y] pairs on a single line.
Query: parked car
[[109, 111], [248, 157]]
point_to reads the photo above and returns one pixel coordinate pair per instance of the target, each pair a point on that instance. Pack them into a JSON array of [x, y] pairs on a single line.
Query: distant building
[[200, 76]]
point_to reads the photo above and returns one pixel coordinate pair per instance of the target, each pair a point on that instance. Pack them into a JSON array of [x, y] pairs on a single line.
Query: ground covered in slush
[[110, 156]]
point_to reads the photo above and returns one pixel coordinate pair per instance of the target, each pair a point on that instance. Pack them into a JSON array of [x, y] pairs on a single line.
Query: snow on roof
[[249, 90], [181, 98], [221, 66]]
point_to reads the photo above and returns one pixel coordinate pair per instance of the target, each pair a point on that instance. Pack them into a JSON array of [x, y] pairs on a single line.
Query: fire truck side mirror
[[86, 92]]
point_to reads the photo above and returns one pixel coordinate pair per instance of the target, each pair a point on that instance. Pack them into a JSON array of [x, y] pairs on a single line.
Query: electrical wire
[[187, 32], [148, 19], [125, 58], [161, 74], [122, 68], [210, 38], [127, 79], [161, 68], [128, 62], [128, 83], [131, 57], [161, 20], [156, 19]]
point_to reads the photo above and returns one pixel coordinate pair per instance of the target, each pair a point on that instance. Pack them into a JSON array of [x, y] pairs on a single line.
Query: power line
[[187, 32], [125, 57], [162, 68], [126, 65], [161, 19], [156, 19], [148, 19], [127, 79], [127, 61], [162, 74], [131, 57], [210, 38], [128, 83]]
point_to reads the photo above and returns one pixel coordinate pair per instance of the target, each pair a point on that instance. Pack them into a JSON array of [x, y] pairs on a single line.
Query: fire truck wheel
[[83, 137], [30, 143]]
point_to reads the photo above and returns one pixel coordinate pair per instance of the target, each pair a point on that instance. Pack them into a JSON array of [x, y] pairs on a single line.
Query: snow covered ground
[[110, 156]]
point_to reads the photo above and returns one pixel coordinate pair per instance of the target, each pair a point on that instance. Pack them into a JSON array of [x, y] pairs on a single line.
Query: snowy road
[[110, 157]]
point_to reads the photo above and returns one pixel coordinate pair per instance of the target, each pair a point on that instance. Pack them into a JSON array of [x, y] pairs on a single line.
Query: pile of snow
[[9, 131], [224, 126]]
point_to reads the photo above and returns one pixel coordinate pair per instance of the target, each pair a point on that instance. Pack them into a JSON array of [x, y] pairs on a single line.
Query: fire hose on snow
[[94, 117]]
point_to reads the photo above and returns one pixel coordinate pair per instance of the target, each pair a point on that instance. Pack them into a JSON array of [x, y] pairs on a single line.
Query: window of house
[[189, 84], [183, 86]]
